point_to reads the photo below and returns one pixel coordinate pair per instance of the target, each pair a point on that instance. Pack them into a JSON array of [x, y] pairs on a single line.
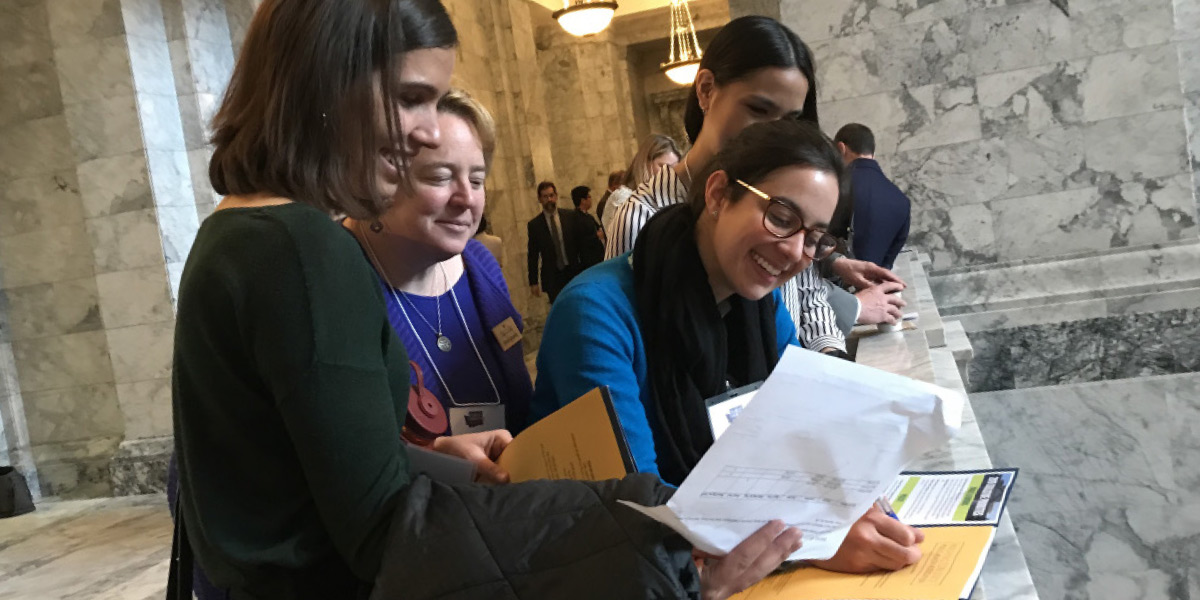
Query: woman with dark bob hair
[[696, 310], [290, 387]]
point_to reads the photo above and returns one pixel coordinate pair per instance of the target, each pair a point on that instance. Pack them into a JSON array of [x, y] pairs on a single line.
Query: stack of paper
[[821, 441]]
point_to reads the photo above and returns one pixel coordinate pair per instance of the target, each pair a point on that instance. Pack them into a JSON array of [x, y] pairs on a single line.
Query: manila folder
[[582, 440]]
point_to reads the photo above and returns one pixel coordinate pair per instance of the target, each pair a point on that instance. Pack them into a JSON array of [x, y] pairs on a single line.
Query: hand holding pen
[[886, 507]]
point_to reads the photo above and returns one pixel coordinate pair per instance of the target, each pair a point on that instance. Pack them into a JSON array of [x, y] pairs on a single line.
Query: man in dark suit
[[879, 210], [591, 236], [554, 237]]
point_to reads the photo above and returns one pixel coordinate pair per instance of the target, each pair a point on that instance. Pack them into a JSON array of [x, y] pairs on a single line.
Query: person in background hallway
[[444, 292], [880, 210], [657, 151], [554, 242], [290, 387], [695, 311], [492, 242], [591, 236], [614, 182]]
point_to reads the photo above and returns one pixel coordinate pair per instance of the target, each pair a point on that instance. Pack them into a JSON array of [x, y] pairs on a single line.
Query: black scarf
[[692, 351]]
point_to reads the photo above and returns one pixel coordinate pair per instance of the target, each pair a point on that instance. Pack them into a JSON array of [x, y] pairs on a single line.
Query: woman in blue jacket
[[694, 310]]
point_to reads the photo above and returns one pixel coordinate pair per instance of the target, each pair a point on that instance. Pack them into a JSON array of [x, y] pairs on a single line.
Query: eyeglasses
[[783, 221]]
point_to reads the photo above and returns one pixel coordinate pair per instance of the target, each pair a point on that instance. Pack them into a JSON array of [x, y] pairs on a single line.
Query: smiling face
[[442, 210], [423, 77], [742, 257], [766, 94]]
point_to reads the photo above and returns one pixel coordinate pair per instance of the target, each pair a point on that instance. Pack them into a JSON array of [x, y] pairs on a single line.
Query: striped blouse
[[805, 296]]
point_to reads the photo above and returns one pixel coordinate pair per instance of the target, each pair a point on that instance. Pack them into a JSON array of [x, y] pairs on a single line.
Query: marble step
[[1121, 305], [1127, 272]]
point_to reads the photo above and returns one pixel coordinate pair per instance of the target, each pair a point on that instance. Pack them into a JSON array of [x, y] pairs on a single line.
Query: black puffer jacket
[[540, 539]]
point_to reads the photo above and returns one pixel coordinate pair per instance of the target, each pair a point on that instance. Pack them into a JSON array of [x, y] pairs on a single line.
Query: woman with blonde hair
[[657, 151], [446, 297]]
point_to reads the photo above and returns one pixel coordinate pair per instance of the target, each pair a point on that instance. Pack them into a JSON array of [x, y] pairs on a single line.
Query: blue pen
[[885, 506]]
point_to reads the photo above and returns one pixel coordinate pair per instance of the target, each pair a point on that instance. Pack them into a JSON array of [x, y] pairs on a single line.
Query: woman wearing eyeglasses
[[695, 310]]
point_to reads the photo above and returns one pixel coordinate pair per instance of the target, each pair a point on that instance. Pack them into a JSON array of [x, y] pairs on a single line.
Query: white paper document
[[822, 439]]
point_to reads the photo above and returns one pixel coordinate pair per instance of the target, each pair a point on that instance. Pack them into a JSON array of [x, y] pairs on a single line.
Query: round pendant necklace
[[443, 342]]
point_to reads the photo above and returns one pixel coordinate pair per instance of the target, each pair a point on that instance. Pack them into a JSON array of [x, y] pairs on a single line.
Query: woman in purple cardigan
[[445, 293]]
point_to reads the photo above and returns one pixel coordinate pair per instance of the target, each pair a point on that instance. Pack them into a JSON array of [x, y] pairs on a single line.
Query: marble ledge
[[1108, 274], [919, 296], [1151, 300], [1005, 574]]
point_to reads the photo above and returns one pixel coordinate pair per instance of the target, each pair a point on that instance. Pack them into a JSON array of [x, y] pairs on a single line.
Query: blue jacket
[[881, 214], [593, 338]]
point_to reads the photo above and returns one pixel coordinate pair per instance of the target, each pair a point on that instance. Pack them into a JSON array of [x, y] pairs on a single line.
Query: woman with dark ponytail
[[754, 70], [695, 310]]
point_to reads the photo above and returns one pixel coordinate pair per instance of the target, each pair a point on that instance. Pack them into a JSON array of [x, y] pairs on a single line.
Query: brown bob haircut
[[299, 117]]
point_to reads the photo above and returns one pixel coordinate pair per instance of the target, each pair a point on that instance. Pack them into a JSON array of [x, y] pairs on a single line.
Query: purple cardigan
[[493, 306]]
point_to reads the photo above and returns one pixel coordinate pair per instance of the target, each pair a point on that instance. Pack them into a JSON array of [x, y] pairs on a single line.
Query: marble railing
[[933, 351]]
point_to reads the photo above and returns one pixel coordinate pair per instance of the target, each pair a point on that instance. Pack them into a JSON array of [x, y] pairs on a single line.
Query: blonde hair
[[460, 104], [654, 146]]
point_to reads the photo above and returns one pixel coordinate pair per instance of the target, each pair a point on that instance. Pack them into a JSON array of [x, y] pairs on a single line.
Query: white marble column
[[202, 57]]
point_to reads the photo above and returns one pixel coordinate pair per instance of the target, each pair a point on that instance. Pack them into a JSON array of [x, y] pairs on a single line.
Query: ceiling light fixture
[[585, 17], [684, 61]]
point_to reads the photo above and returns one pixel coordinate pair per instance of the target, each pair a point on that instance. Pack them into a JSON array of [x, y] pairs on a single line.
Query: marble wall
[[97, 214], [1019, 132], [57, 371], [590, 109], [1050, 158]]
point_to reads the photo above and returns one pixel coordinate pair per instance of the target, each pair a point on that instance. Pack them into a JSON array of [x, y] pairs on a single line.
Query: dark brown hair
[[745, 45], [298, 119], [761, 148]]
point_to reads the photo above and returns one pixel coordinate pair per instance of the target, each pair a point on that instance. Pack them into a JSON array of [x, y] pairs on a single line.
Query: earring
[[714, 213], [376, 226]]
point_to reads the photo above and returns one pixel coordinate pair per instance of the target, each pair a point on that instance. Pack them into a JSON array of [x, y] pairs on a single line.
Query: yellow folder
[[950, 563], [582, 440]]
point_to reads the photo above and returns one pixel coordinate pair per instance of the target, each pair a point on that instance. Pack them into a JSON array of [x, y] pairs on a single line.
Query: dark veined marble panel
[[1100, 349]]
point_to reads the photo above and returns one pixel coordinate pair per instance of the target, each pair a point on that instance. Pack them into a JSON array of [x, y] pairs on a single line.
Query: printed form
[[822, 439]]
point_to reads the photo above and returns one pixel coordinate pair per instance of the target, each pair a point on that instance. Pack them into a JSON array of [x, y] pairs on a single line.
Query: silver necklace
[[443, 342]]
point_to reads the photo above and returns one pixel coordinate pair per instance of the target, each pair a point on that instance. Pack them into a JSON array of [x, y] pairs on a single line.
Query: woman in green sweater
[[290, 386]]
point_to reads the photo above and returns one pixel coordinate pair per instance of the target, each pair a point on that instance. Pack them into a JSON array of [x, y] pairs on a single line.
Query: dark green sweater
[[290, 389]]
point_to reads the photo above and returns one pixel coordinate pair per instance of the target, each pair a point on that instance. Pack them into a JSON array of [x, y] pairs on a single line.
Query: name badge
[[507, 334], [473, 419]]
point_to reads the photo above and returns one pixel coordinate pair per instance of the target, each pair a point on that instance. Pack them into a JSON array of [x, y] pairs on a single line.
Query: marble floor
[[105, 549]]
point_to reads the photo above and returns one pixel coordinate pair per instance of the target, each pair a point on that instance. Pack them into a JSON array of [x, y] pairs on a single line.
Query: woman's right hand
[[876, 542], [756, 557]]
